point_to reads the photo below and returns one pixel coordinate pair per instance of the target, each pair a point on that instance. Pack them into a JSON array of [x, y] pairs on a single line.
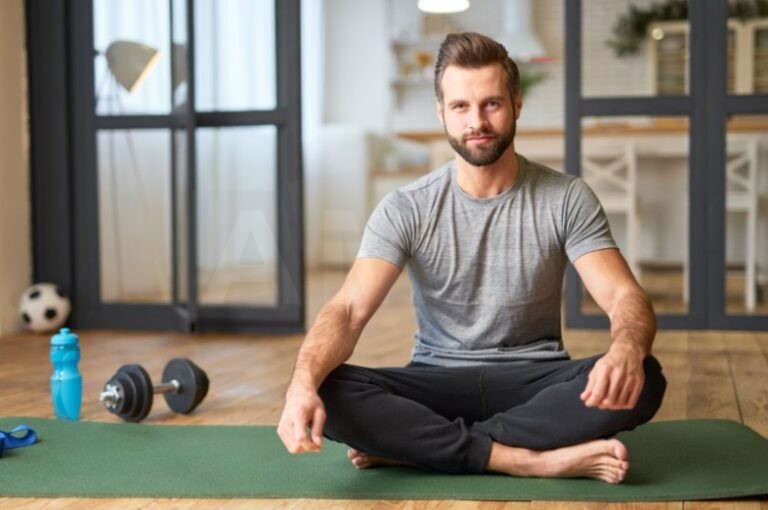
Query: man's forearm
[[633, 323], [328, 344]]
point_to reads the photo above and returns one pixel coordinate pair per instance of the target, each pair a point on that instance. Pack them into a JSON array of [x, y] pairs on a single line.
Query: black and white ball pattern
[[43, 307]]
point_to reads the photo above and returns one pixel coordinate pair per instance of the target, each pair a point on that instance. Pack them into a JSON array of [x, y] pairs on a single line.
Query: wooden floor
[[710, 375]]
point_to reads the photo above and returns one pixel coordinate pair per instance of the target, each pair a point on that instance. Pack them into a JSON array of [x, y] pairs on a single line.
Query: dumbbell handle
[[110, 395], [172, 386]]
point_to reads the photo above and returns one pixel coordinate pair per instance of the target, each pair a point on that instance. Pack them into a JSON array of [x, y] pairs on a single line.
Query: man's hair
[[472, 50]]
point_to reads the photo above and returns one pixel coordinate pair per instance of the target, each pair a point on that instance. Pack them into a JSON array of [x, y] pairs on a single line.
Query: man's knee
[[655, 385], [341, 394], [339, 384]]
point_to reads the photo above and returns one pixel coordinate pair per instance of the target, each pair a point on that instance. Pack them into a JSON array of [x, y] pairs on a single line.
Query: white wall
[[15, 253], [345, 89], [356, 58], [312, 96], [603, 74]]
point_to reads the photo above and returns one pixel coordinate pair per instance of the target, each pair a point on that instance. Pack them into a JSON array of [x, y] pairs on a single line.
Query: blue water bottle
[[66, 381]]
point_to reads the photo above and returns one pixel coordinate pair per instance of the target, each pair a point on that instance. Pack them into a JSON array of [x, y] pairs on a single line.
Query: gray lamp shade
[[130, 62], [179, 64]]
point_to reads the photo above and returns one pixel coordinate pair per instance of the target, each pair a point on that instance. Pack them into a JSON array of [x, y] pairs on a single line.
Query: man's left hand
[[616, 380]]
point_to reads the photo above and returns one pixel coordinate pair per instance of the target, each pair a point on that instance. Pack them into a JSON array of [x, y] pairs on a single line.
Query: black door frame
[[708, 105], [64, 187]]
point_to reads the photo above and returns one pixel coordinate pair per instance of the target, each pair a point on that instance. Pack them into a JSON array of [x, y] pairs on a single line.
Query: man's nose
[[476, 119]]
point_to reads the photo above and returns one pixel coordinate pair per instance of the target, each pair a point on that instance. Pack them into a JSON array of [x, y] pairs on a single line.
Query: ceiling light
[[443, 6]]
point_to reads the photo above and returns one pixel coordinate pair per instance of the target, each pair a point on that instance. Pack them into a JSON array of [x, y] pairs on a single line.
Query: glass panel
[[134, 215], [634, 48], [638, 168], [670, 69], [732, 38], [235, 55], [237, 220], [760, 57], [746, 221], [179, 53], [748, 53], [132, 65]]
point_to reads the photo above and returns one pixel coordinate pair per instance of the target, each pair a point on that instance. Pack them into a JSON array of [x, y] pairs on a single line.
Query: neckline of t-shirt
[[521, 170]]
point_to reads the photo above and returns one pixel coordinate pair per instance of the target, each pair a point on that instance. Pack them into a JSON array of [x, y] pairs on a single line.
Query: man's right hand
[[303, 409]]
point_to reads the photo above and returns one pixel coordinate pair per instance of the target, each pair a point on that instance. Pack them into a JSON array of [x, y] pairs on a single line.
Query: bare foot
[[604, 459], [362, 460]]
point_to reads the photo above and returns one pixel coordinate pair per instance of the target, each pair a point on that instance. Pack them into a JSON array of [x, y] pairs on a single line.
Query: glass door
[[187, 156], [669, 125], [740, 164]]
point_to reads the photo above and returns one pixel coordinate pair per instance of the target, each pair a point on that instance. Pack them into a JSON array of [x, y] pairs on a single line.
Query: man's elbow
[[355, 314], [359, 316]]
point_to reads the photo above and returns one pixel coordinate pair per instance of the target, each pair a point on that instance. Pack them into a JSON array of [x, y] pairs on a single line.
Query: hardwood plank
[[385, 505], [671, 349], [462, 505], [749, 371], [588, 505], [39, 503], [722, 505], [710, 388]]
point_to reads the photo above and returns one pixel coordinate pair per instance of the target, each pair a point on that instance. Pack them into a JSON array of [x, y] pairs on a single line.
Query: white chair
[[742, 195], [610, 169]]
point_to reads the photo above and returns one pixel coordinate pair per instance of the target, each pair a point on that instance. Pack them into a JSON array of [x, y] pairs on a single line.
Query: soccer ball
[[43, 307]]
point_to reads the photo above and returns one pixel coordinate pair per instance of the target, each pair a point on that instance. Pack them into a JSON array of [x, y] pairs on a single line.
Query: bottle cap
[[64, 337]]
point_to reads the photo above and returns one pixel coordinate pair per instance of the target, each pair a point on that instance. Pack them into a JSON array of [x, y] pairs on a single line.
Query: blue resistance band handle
[[8, 440]]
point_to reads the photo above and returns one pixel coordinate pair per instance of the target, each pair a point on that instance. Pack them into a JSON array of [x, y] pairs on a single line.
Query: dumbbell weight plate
[[124, 401], [126, 386], [193, 381], [141, 387]]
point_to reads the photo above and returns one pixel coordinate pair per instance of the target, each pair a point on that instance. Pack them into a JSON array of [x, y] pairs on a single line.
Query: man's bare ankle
[[512, 460]]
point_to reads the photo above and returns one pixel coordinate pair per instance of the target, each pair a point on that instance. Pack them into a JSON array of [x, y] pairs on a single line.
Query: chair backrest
[[741, 166], [610, 168]]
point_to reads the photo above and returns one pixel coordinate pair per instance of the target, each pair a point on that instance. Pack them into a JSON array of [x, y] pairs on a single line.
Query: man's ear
[[439, 111], [518, 104]]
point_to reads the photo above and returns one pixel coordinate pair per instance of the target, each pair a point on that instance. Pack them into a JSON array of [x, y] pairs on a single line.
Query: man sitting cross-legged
[[486, 239]]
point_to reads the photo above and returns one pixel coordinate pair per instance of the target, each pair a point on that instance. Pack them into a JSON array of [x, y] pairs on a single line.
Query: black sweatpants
[[445, 418]]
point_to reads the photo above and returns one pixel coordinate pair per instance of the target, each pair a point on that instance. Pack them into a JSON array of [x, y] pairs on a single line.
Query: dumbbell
[[129, 393]]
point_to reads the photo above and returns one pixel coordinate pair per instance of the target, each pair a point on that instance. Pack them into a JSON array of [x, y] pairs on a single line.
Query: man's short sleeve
[[391, 230], [586, 227]]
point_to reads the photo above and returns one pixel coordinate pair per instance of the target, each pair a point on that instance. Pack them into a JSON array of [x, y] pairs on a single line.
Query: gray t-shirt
[[487, 273]]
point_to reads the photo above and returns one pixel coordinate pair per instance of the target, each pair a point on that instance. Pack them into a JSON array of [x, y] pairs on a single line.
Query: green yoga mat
[[677, 460]]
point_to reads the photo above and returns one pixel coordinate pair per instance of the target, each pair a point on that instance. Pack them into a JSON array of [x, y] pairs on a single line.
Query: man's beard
[[488, 153]]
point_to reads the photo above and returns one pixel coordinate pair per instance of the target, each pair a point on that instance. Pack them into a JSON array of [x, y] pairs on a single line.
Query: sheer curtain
[[133, 165], [237, 167]]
